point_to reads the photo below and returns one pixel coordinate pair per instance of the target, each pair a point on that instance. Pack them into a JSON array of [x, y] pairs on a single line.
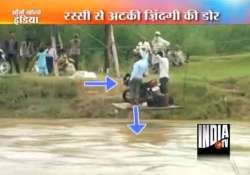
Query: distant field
[[215, 87], [214, 68]]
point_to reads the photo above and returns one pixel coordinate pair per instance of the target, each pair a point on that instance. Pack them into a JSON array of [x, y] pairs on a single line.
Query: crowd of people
[[155, 55], [44, 58]]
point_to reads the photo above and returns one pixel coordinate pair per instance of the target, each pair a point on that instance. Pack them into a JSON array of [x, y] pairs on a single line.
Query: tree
[[111, 51], [53, 34]]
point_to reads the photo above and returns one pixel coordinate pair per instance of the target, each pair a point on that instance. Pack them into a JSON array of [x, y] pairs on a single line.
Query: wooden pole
[[108, 50], [53, 44], [111, 59], [60, 41], [114, 51]]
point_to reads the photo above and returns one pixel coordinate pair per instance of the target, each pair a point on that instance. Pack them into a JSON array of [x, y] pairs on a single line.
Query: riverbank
[[206, 88]]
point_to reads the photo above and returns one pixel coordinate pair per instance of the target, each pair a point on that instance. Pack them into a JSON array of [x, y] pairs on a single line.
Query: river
[[107, 147]]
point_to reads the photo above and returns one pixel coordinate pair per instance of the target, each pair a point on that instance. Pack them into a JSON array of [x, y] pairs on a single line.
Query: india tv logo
[[213, 139]]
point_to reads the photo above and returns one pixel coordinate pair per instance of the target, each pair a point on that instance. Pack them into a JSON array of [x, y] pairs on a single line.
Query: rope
[[98, 40]]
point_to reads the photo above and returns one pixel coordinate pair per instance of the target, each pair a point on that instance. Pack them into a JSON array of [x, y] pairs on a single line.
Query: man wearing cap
[[159, 45]]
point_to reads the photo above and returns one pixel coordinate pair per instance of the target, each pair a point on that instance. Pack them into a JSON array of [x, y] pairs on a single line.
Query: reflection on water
[[106, 147]]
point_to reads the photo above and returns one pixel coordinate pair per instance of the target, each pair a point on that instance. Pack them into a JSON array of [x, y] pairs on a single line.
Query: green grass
[[214, 87], [214, 68], [32, 95], [211, 87]]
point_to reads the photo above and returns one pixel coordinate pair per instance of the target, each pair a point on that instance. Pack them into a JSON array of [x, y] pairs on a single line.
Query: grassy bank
[[207, 88]]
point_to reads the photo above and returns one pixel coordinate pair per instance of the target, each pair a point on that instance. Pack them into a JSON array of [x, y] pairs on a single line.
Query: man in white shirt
[[159, 44], [51, 57], [163, 72]]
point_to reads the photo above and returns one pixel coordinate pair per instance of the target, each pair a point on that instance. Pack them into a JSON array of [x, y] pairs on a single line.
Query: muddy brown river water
[[107, 147]]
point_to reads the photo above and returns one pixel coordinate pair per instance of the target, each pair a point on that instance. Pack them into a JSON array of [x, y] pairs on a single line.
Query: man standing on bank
[[11, 50], [163, 72], [140, 67], [75, 50], [26, 53], [51, 58]]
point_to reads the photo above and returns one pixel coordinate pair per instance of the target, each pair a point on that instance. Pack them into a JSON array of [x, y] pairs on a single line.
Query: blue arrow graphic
[[109, 83], [136, 127]]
